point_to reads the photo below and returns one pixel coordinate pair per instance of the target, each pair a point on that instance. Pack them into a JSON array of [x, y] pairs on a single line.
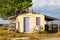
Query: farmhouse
[[26, 22]]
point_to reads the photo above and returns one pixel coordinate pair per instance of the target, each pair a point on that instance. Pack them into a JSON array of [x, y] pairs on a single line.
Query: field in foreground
[[4, 35]]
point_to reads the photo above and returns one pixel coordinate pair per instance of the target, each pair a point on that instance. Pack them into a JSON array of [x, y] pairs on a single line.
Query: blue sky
[[3, 21], [47, 7]]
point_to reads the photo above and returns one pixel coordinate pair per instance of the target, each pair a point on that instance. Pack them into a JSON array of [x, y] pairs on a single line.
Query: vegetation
[[1, 24], [4, 35], [53, 24], [3, 32], [32, 36], [10, 7]]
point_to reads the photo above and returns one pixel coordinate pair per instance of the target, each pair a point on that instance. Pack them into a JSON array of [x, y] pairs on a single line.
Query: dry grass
[[33, 36], [4, 35]]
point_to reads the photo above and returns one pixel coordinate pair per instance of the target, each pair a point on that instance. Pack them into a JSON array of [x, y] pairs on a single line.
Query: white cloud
[[42, 2], [33, 0], [46, 2], [51, 3], [47, 7], [57, 3]]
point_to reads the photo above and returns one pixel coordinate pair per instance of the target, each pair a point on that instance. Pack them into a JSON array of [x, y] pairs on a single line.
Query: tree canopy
[[8, 6]]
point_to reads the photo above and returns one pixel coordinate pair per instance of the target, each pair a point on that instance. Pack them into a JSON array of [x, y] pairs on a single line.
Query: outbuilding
[[26, 22]]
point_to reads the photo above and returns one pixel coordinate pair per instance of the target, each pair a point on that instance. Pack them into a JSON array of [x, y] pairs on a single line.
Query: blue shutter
[[37, 21]]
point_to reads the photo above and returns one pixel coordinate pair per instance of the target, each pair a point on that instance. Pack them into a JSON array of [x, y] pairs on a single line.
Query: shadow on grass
[[51, 32], [48, 32]]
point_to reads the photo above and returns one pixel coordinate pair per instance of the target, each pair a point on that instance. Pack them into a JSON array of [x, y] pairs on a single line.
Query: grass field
[[3, 32], [5, 35]]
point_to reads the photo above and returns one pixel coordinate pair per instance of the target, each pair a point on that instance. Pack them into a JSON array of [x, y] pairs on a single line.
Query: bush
[[1, 24], [5, 28], [46, 27]]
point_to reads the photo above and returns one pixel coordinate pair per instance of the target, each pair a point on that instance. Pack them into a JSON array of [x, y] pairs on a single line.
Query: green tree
[[8, 7]]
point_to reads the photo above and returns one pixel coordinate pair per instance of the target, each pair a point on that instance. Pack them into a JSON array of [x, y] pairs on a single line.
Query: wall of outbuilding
[[32, 21]]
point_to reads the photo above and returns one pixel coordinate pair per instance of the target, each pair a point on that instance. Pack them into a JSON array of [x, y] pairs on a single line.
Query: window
[[37, 21]]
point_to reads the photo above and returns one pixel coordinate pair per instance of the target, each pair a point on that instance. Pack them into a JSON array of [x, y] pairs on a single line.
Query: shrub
[[5, 28], [1, 24]]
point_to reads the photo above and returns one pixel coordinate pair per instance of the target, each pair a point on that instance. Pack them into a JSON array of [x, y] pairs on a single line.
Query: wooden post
[[47, 22], [58, 27], [52, 25]]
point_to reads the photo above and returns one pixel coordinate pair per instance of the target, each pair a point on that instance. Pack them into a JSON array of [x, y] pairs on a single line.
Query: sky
[[3, 21], [47, 7]]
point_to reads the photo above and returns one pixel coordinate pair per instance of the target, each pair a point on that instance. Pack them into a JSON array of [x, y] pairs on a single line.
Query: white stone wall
[[32, 21]]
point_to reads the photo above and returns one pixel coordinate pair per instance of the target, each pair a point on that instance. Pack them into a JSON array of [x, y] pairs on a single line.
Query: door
[[26, 24]]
